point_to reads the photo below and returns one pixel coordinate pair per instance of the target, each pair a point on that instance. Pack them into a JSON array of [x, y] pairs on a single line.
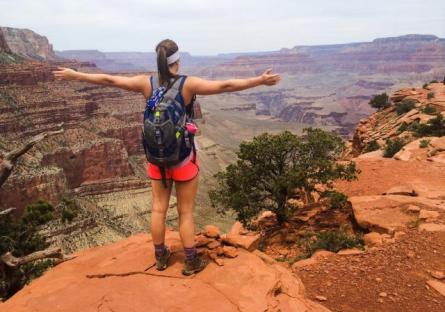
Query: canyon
[[325, 84], [397, 201], [98, 160]]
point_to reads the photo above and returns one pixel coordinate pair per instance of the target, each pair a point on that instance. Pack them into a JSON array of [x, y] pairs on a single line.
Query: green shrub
[[270, 167], [426, 86], [402, 128], [379, 101], [336, 199], [371, 146], [38, 213], [434, 127], [69, 210], [333, 241], [430, 95], [392, 147], [405, 106], [430, 110], [424, 143], [434, 81]]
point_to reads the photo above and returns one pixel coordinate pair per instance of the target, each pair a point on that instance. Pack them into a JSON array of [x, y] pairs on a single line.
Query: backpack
[[165, 137]]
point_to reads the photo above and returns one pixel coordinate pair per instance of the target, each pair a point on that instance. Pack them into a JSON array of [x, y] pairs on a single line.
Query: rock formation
[[3, 44], [388, 124], [28, 44], [122, 276]]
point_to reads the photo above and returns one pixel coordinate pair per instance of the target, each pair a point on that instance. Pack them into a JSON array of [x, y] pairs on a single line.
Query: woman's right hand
[[63, 73], [269, 79]]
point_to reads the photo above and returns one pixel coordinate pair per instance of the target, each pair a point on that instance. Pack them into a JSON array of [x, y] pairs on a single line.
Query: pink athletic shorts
[[183, 172]]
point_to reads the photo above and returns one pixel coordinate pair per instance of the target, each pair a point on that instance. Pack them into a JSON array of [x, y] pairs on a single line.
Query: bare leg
[[186, 194], [161, 198]]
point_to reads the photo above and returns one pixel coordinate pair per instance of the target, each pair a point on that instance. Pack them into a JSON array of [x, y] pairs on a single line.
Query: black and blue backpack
[[165, 137]]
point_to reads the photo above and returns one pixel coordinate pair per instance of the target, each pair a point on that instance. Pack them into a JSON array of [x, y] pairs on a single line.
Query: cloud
[[210, 27]]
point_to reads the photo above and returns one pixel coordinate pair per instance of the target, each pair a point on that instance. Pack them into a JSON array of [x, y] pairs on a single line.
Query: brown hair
[[164, 49]]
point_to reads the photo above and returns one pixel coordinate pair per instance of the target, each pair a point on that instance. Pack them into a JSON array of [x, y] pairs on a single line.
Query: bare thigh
[[161, 196], [186, 194]]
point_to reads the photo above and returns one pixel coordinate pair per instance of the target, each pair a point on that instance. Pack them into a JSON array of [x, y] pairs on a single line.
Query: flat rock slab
[[386, 213], [119, 277], [438, 286], [432, 227], [380, 213]]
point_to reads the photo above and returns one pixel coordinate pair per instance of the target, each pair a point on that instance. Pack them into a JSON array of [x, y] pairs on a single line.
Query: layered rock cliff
[[422, 105], [3, 44], [28, 44]]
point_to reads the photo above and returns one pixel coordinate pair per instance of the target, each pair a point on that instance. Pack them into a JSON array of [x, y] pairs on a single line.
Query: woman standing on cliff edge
[[184, 174]]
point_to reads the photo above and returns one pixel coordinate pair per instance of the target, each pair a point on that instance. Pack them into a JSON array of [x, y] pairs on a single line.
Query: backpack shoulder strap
[[175, 88], [154, 80]]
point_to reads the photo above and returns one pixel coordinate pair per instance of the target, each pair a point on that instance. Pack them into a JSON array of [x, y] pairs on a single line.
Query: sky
[[208, 27]]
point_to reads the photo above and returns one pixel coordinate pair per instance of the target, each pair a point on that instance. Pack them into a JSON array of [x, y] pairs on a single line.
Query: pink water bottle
[[191, 127]]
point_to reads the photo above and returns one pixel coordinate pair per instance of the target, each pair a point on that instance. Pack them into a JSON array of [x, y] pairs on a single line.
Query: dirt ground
[[391, 279]]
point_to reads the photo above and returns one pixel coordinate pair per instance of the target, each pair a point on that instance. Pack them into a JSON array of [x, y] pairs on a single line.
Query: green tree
[[270, 167], [21, 237], [379, 101]]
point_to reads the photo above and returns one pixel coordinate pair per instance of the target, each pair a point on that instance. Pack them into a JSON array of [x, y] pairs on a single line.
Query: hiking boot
[[162, 262], [194, 266]]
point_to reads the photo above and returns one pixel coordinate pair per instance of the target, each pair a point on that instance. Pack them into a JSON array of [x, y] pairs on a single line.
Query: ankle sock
[[190, 253], [159, 250]]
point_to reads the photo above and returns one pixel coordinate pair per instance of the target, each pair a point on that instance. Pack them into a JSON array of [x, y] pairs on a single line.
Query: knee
[[158, 210], [185, 215]]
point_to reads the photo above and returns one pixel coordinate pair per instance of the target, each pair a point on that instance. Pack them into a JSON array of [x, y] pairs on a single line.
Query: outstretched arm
[[135, 83], [206, 87]]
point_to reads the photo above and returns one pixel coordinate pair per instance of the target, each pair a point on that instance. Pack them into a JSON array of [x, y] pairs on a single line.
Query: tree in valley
[[23, 251]]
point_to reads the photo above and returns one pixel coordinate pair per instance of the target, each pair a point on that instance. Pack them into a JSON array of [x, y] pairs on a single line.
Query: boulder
[[120, 277], [201, 241], [428, 215], [379, 213], [248, 242], [378, 154], [236, 228], [230, 252], [213, 245], [211, 231], [438, 275], [432, 227], [386, 213], [373, 239]]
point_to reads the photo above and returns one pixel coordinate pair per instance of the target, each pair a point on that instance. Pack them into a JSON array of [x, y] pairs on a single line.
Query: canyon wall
[[28, 44]]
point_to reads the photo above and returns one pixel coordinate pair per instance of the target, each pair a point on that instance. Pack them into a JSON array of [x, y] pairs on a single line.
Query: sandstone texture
[[121, 277], [386, 124], [27, 43]]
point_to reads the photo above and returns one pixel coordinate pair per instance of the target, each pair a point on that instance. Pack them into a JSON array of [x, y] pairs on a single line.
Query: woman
[[185, 175]]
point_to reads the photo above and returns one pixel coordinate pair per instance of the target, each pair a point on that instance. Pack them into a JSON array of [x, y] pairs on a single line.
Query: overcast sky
[[205, 27]]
